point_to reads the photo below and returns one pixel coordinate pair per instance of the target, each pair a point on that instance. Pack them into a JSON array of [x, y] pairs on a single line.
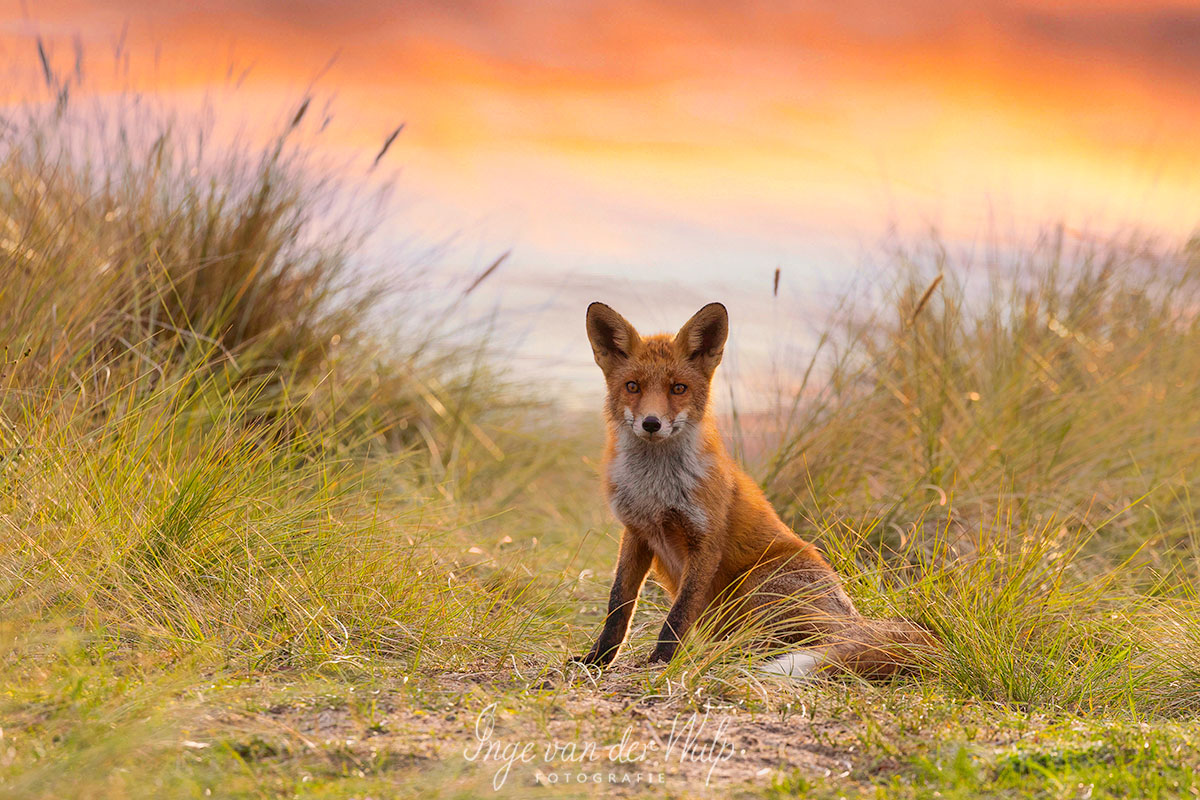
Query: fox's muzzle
[[654, 426]]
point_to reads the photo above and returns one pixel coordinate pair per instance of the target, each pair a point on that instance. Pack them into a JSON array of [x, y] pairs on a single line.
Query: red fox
[[705, 527]]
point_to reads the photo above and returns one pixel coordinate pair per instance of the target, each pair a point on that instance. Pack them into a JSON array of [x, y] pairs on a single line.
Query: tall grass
[[1064, 378], [207, 444], [1007, 451]]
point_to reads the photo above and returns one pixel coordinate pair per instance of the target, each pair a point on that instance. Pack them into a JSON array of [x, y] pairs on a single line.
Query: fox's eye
[[678, 388], [631, 387]]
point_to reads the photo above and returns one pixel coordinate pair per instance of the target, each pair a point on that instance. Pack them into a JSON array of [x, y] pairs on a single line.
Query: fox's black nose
[[651, 424]]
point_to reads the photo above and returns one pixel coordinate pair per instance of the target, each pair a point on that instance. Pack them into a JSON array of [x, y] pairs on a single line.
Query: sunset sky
[[658, 155]]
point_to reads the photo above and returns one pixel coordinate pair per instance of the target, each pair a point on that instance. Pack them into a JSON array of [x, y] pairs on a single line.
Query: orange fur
[[701, 523]]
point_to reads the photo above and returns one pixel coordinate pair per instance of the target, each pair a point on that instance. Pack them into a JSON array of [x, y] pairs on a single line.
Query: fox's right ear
[[613, 338]]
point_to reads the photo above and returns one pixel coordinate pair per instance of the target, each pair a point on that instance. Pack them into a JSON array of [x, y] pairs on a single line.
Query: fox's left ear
[[702, 338]]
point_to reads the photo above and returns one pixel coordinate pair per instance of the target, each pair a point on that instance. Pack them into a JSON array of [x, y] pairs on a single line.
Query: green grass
[[249, 549]]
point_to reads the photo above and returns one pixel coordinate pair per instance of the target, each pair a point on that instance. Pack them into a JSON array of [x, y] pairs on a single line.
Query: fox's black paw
[[589, 660], [660, 656]]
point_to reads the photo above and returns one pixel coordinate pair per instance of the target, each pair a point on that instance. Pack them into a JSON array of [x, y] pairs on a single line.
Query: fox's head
[[658, 385]]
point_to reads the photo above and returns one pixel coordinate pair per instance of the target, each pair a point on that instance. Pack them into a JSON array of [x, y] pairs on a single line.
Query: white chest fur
[[651, 479]]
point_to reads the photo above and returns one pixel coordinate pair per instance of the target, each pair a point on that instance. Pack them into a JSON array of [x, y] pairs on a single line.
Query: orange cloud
[[765, 109]]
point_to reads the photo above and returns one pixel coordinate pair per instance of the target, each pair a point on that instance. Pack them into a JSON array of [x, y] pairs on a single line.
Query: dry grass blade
[[387, 143], [300, 112], [928, 293], [47, 72], [487, 273]]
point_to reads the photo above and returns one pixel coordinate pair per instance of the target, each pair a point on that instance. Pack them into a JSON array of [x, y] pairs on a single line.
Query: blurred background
[[660, 155]]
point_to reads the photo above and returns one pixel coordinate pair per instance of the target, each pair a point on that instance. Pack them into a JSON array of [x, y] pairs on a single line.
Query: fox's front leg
[[695, 593], [632, 565]]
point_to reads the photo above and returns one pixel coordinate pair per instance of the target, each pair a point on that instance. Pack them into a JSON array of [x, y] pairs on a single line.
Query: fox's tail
[[869, 648]]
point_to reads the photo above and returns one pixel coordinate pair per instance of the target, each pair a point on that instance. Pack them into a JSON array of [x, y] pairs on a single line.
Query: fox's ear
[[613, 338], [702, 338]]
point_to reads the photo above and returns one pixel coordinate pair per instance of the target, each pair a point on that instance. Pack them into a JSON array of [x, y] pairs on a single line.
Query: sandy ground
[[567, 737]]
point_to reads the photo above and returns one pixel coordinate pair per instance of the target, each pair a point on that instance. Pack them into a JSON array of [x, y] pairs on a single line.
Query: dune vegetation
[[268, 530]]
